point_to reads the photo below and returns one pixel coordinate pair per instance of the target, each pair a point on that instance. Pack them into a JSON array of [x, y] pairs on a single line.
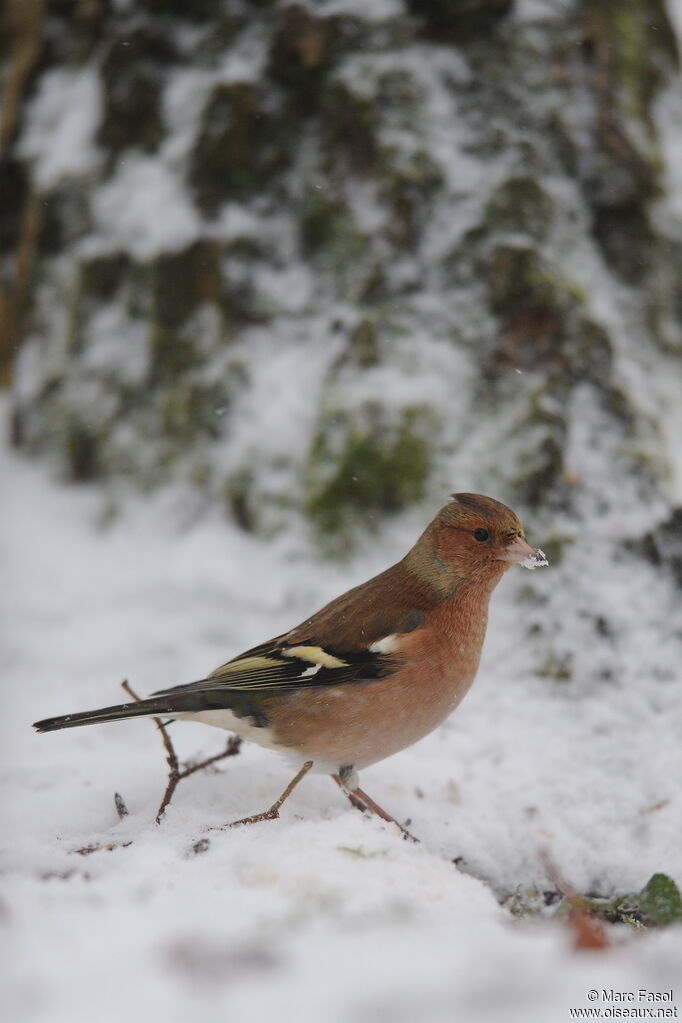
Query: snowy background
[[326, 912], [526, 348]]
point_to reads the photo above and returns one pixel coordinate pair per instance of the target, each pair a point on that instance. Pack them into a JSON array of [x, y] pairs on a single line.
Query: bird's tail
[[153, 707]]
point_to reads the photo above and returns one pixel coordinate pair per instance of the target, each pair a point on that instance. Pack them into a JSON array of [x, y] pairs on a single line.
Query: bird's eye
[[481, 534]]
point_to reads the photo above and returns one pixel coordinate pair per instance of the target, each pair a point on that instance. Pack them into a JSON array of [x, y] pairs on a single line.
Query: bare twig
[[586, 930], [86, 850], [655, 806], [171, 755], [233, 746], [555, 877], [175, 774]]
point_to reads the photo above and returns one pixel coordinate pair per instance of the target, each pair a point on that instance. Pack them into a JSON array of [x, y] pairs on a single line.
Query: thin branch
[[171, 755], [233, 746], [586, 930], [175, 775], [561, 885], [86, 850]]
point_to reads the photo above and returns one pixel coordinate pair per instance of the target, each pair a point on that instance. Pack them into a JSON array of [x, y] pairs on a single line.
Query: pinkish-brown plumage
[[434, 605], [374, 670]]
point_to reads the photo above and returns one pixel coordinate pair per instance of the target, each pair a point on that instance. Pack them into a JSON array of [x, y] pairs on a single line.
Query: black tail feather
[[145, 708]]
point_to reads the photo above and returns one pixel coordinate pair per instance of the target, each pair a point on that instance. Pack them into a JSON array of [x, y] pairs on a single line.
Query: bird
[[373, 671]]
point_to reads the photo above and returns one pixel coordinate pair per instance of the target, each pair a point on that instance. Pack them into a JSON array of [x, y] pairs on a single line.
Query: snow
[[145, 192], [58, 136], [568, 745], [325, 912], [536, 560], [674, 9]]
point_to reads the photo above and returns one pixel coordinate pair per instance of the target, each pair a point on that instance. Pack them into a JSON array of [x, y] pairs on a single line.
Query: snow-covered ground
[[323, 915]]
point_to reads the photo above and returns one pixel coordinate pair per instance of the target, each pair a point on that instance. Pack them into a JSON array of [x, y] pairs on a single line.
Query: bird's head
[[476, 538]]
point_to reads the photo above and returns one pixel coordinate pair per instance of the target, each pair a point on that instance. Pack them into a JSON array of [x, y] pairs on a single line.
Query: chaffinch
[[375, 670]]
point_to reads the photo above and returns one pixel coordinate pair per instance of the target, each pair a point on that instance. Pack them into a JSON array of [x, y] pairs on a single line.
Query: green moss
[[641, 45], [371, 468], [328, 230], [543, 323], [200, 473], [517, 274], [189, 411], [513, 274], [648, 467], [566, 290], [555, 546], [364, 345], [519, 205], [557, 667], [170, 354], [408, 194], [633, 48], [323, 221]]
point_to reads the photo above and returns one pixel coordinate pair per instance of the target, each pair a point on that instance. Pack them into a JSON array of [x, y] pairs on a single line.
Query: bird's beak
[[518, 552]]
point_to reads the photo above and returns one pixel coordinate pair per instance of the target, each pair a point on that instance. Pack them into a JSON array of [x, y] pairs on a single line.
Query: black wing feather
[[270, 667]]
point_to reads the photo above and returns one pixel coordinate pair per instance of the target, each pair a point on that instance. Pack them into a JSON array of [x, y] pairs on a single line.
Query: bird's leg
[[352, 799], [347, 780], [273, 812]]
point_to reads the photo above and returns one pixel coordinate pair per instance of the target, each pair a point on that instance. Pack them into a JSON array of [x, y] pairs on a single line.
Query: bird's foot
[[267, 815], [273, 813], [361, 801]]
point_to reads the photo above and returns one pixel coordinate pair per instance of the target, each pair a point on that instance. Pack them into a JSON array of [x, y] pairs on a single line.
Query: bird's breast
[[362, 722]]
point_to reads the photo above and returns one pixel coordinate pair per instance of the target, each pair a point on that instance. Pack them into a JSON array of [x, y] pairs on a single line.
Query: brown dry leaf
[[588, 933]]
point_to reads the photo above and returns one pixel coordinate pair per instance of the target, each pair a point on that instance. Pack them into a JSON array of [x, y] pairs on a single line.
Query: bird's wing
[[278, 666], [355, 637]]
